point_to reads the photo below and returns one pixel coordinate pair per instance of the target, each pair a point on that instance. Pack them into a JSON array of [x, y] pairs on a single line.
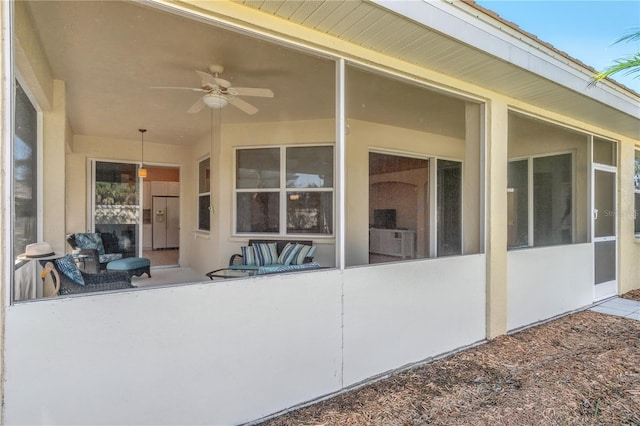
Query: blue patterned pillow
[[91, 241], [68, 267], [289, 253], [248, 255], [266, 253], [304, 252]]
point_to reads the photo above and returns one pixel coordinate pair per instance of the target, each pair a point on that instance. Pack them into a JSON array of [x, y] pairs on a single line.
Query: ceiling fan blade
[[197, 107], [195, 89], [209, 80], [242, 105], [253, 91]]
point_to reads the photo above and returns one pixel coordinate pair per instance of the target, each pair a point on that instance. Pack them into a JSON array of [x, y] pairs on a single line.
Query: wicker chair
[[103, 281]]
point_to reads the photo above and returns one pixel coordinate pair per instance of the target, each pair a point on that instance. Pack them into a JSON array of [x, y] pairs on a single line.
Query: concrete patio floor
[[620, 307]]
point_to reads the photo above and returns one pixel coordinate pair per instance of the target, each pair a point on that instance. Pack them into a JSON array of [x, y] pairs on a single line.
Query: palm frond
[[633, 36], [627, 66]]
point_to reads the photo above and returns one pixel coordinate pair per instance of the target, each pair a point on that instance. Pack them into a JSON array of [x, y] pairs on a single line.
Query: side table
[[80, 260]]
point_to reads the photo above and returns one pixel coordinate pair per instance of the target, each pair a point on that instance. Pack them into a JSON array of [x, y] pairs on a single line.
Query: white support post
[[341, 167]]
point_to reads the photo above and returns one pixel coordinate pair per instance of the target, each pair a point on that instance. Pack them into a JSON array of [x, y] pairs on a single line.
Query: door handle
[[595, 214]]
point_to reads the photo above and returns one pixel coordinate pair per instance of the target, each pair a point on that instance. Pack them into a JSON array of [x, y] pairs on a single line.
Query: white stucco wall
[[232, 351], [548, 281], [211, 353], [397, 314]]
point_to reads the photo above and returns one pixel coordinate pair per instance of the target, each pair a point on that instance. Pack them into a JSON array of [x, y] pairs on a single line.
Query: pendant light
[[142, 172]]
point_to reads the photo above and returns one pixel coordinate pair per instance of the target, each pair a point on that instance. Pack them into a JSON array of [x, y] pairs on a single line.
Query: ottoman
[[133, 265]]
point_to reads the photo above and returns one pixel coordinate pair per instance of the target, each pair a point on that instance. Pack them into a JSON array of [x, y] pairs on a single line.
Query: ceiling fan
[[218, 92]]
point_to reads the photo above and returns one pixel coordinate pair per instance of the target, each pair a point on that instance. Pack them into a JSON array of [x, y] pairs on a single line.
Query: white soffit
[[460, 40]]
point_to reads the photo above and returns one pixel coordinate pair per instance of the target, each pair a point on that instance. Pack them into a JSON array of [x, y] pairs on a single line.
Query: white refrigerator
[[166, 222]]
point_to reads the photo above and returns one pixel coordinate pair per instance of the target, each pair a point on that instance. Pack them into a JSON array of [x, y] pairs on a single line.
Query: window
[[204, 195], [285, 190], [636, 186], [518, 204], [116, 205], [401, 214], [550, 222], [399, 207], [25, 173], [449, 208]]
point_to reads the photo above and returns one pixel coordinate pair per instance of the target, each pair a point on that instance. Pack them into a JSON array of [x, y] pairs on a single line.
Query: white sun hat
[[39, 251]]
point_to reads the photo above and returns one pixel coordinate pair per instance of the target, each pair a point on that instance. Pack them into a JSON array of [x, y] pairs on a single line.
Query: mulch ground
[[581, 369]]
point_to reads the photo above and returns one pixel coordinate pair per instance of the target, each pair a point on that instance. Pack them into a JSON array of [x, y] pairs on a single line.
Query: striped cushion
[[289, 253], [248, 256], [305, 251], [266, 253]]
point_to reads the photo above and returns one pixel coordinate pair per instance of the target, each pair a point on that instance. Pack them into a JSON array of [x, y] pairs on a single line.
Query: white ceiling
[[110, 54]]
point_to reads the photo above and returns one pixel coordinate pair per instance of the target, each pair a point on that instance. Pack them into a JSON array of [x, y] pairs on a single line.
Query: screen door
[[604, 232]]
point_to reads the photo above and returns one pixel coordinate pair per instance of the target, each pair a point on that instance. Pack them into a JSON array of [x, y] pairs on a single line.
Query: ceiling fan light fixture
[[213, 100]]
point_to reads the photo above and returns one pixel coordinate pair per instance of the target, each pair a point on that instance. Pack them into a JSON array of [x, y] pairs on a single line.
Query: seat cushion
[[274, 269], [109, 257], [128, 263], [244, 267]]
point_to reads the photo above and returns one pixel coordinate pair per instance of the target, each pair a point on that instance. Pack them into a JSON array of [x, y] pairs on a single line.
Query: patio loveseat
[[261, 257]]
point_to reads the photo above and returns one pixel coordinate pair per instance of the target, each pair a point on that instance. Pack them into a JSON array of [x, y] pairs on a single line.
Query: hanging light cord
[[142, 146], [211, 209]]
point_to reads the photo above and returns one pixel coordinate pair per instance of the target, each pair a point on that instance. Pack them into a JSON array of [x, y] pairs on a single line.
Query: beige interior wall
[[55, 134], [31, 64], [472, 191], [528, 137], [201, 250]]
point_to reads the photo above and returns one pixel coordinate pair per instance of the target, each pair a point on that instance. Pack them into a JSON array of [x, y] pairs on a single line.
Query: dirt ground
[[581, 369]]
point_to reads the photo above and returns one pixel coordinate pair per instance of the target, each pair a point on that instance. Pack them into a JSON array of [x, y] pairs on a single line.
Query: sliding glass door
[[116, 206]]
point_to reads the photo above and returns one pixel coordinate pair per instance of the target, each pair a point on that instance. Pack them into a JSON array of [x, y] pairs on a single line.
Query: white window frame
[[530, 201], [283, 191], [203, 194]]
